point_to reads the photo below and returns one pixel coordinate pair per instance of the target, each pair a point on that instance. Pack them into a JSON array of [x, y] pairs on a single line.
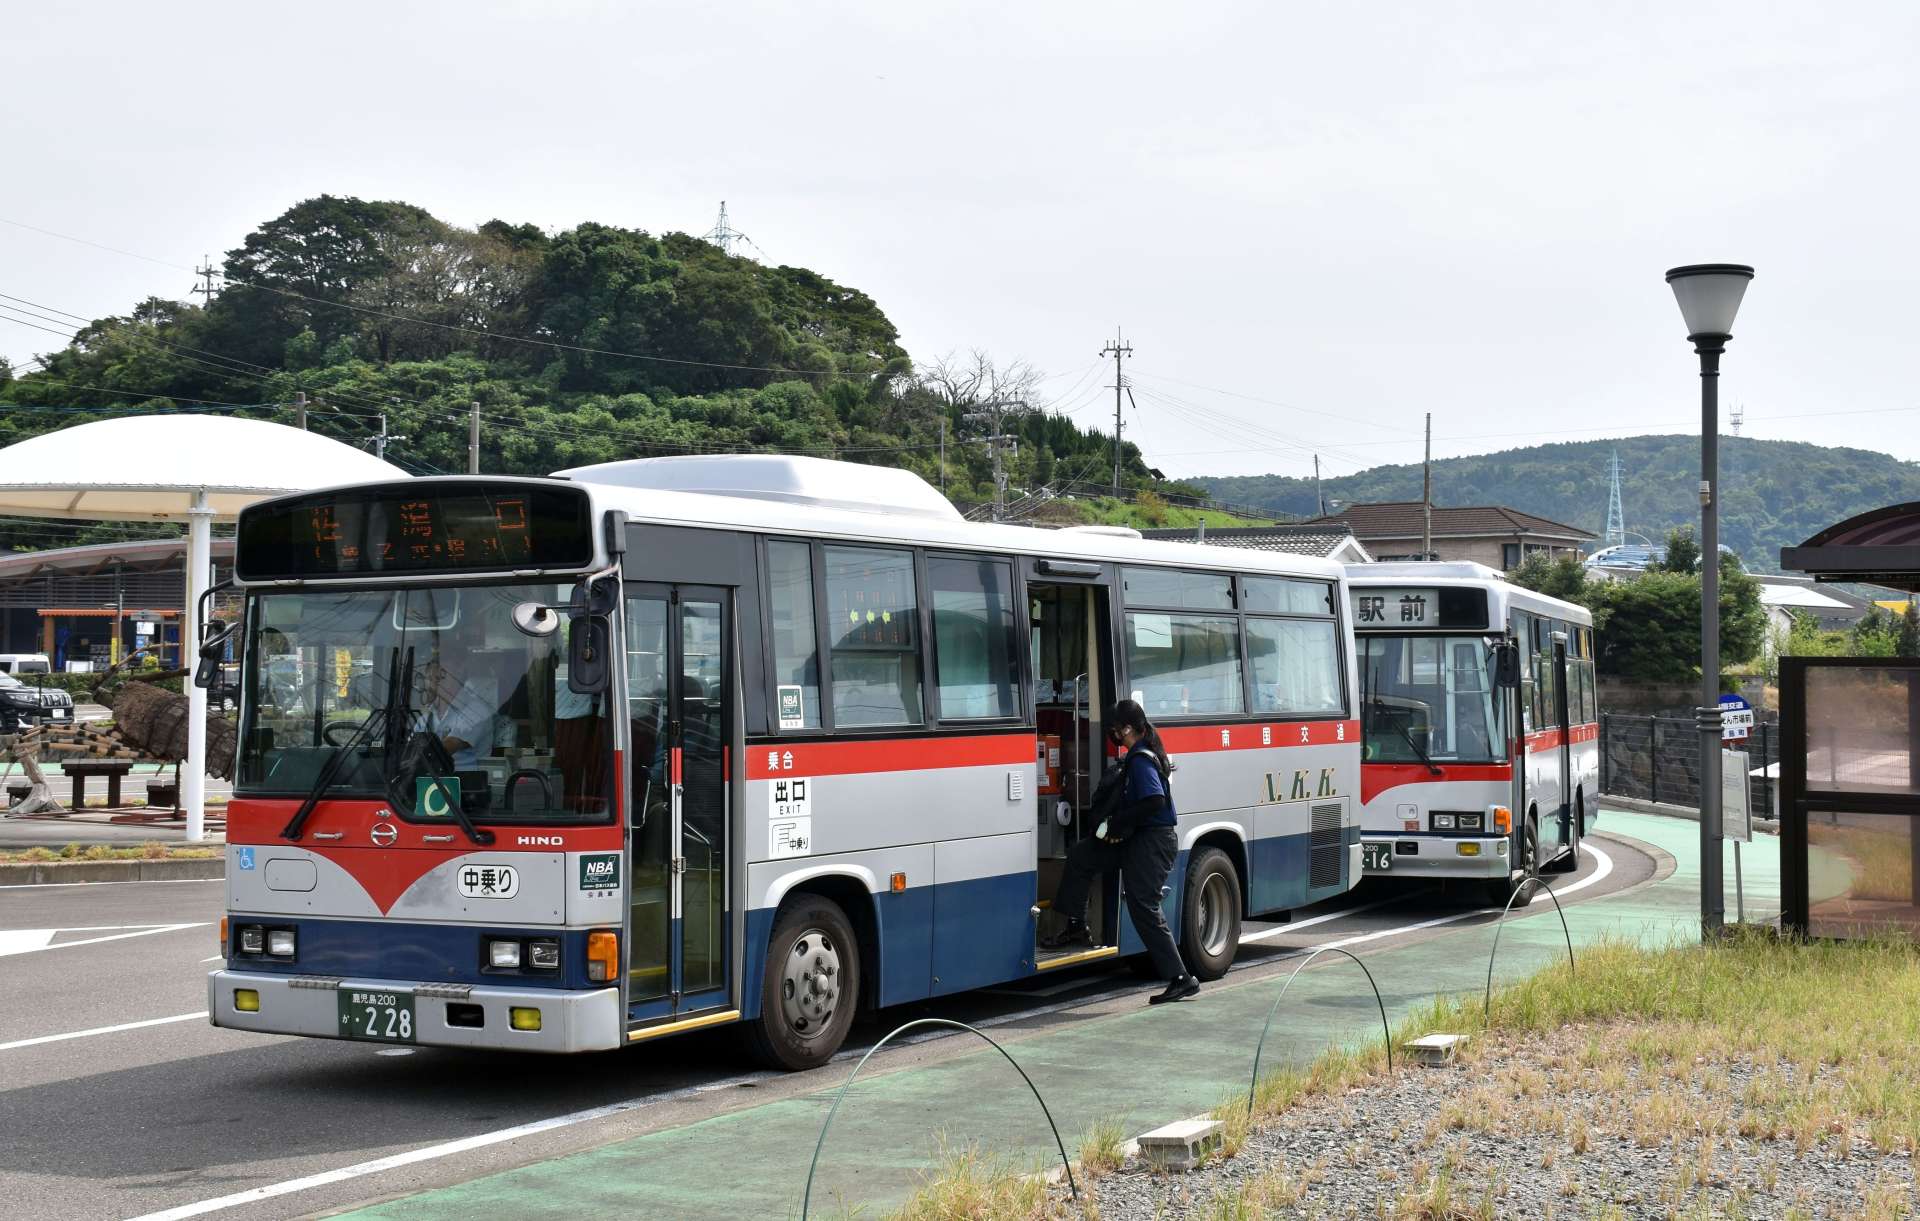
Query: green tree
[[1907, 639], [1564, 578], [1683, 551]]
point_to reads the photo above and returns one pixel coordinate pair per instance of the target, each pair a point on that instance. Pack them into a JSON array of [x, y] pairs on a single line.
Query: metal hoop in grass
[[1486, 1012], [807, 1198], [1386, 1031]]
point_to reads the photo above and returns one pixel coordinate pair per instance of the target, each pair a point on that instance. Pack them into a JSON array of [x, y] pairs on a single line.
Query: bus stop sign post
[[1736, 816]]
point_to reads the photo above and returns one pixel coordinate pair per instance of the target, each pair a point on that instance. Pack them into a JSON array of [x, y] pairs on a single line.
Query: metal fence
[[1657, 758]]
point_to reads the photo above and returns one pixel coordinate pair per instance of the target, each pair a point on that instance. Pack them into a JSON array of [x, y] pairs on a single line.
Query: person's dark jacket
[[1146, 796]]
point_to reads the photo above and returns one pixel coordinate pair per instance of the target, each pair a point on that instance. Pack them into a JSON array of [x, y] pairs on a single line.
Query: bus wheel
[[1210, 914], [1501, 891], [810, 987]]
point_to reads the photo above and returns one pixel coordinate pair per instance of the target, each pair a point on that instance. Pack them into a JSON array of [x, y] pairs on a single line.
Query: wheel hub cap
[[810, 984]]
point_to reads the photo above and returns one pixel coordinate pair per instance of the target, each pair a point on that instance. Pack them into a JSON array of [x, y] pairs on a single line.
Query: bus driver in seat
[[1140, 840], [455, 709]]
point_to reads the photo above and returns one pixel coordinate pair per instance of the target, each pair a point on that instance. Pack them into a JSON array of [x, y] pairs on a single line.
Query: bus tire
[[1210, 914], [810, 987], [1501, 891]]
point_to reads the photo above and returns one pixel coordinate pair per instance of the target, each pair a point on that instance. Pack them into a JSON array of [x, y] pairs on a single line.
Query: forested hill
[[583, 345], [1774, 493]]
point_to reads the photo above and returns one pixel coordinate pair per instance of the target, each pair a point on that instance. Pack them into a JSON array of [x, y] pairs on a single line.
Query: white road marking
[[1280, 930], [483, 1140], [430, 1153], [83, 1034], [20, 941]]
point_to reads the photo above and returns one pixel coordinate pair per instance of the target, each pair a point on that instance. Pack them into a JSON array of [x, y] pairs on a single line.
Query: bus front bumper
[[310, 1005], [1441, 856]]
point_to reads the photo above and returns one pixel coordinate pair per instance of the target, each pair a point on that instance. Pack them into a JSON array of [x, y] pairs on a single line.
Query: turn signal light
[[223, 934], [524, 1019], [1502, 819], [246, 1000], [603, 957], [897, 883]]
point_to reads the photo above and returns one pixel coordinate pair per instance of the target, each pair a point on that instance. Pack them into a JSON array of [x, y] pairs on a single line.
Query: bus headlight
[[503, 954], [1443, 822], [543, 955], [253, 939], [280, 942]]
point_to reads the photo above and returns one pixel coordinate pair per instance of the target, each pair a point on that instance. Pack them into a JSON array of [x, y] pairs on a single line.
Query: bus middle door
[[1564, 751], [680, 682]]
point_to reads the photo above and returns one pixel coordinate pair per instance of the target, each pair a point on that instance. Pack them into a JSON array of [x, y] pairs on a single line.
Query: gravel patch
[[1575, 1125]]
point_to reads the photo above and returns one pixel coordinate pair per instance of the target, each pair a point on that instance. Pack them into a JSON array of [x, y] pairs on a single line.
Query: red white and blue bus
[[1480, 719], [573, 763]]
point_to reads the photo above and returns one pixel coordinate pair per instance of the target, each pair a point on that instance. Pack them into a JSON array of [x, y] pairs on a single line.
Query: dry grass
[[970, 1186], [151, 850], [1103, 1148]]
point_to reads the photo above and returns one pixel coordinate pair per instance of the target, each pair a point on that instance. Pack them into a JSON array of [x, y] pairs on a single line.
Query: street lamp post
[[1709, 297]]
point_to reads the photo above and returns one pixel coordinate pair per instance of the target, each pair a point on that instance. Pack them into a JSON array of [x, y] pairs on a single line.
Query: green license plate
[[373, 1013], [1376, 856]]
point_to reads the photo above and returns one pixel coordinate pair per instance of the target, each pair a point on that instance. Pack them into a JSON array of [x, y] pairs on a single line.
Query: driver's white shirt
[[468, 717]]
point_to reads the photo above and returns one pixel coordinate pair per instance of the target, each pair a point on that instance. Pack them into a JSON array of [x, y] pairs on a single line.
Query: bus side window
[[873, 617], [796, 647], [976, 642]]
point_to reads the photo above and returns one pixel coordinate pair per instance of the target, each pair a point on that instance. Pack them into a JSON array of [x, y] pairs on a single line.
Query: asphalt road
[[118, 1100]]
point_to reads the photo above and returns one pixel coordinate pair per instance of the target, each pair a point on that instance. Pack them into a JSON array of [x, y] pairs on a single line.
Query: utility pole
[[300, 410], [1426, 496], [997, 444], [1319, 497], [203, 275], [943, 451], [1117, 349], [473, 438], [383, 438]]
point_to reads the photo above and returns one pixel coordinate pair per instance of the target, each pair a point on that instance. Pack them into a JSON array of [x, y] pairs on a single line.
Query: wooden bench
[[80, 772]]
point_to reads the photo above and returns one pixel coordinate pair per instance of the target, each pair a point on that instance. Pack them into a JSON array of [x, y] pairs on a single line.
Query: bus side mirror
[[1506, 666], [212, 653], [589, 655]]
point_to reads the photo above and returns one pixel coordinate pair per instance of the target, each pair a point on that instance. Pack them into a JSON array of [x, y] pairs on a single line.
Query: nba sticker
[[790, 817], [600, 871], [793, 713]]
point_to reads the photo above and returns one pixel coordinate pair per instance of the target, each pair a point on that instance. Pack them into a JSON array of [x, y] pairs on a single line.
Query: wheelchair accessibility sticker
[[245, 857]]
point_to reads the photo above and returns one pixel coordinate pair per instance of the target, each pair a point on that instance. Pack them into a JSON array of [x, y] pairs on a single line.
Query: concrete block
[[1435, 1048], [1181, 1146]]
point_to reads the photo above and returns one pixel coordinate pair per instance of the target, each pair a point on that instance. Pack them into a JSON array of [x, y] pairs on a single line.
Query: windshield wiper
[[1424, 757], [330, 770]]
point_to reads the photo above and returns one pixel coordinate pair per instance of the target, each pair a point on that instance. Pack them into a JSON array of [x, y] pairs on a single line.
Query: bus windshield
[[1429, 699], [482, 706]]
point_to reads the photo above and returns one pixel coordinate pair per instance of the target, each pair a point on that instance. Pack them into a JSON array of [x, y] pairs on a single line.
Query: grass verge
[[1807, 1049], [151, 850]]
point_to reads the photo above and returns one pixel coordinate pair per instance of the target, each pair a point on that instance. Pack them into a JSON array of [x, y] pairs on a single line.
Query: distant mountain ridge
[[1774, 494]]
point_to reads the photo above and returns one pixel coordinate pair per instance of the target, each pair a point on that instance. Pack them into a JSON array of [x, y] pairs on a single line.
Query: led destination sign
[[421, 529], [1378, 608]]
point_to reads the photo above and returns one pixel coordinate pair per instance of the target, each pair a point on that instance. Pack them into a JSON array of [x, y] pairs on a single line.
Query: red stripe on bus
[[887, 755], [1194, 739], [259, 820], [1551, 739], [1377, 778]]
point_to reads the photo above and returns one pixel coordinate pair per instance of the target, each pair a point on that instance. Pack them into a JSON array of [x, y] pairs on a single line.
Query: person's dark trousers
[[1144, 859]]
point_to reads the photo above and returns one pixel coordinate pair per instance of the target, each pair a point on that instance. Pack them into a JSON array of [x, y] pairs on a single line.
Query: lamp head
[[1709, 297]]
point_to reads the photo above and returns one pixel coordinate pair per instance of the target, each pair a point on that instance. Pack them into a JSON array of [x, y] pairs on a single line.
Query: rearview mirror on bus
[[212, 652], [589, 655], [1506, 666], [536, 619]]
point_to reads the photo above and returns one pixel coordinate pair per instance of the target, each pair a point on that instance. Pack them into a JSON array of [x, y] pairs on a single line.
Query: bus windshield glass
[[427, 696], [1429, 699]]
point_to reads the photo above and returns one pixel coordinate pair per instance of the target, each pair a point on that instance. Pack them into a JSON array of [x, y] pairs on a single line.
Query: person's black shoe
[[1179, 988], [1076, 933]]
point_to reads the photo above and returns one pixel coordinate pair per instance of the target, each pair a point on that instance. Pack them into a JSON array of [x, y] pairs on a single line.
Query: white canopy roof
[[1804, 599], [143, 467]]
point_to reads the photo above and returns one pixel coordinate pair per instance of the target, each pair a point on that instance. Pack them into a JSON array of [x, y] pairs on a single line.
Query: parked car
[[22, 705], [25, 663]]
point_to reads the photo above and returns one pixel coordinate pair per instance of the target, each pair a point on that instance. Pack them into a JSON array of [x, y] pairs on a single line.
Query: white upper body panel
[[1506, 596]]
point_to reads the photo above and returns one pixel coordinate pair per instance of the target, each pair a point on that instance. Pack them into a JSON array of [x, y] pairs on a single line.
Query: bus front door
[[679, 682], [1563, 841]]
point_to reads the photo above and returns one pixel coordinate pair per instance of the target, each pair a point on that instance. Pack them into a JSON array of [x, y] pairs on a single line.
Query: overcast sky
[[1313, 222]]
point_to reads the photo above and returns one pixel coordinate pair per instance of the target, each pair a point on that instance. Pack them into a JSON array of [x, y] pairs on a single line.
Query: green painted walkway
[[1145, 1067]]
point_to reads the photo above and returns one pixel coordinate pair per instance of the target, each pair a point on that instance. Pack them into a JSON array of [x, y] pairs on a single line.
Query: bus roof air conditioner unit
[[815, 482]]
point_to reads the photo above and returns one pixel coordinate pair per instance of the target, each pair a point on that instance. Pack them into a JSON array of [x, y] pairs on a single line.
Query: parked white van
[[25, 663]]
